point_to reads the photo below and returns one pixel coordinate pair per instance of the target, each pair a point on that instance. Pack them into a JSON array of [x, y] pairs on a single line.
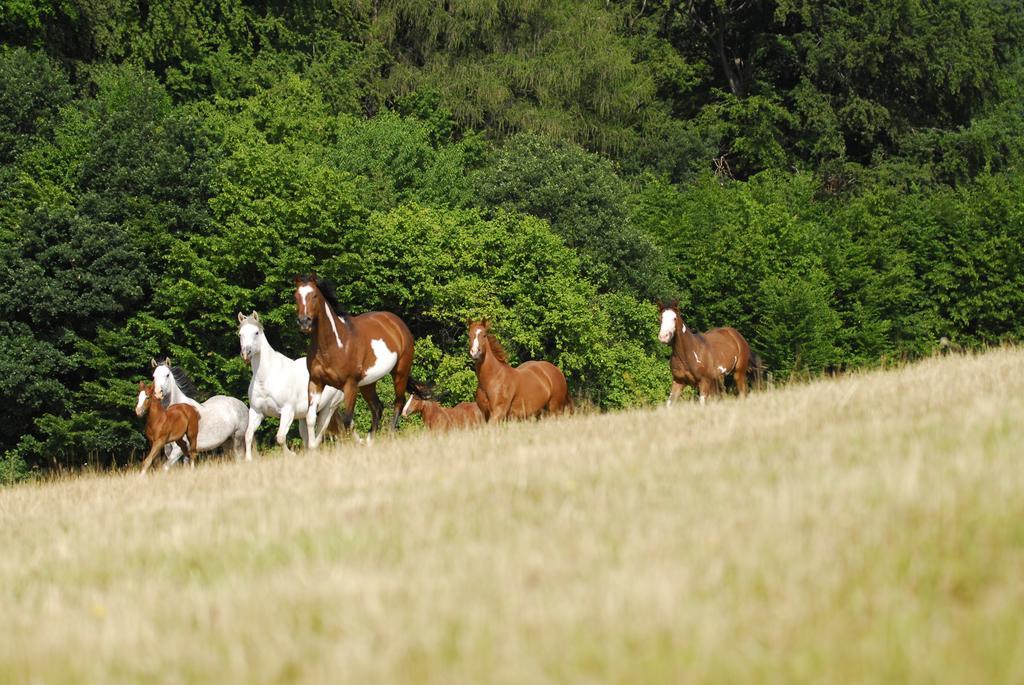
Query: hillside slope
[[869, 528]]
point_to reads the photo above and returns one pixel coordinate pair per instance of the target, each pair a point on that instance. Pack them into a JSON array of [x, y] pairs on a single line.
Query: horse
[[704, 359], [351, 353], [522, 392], [438, 417], [178, 423], [279, 387], [223, 418]]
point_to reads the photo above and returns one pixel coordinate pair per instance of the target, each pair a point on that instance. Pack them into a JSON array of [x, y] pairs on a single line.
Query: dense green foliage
[[841, 182]]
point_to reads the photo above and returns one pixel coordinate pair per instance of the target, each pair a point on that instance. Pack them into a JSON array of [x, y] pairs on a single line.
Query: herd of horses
[[348, 354]]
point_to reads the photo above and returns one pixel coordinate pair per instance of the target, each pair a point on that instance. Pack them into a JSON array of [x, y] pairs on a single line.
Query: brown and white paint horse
[[522, 392], [438, 417], [178, 423], [350, 353], [704, 359]]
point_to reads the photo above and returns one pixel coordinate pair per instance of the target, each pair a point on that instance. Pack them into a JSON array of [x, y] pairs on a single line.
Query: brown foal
[[438, 417], [178, 423]]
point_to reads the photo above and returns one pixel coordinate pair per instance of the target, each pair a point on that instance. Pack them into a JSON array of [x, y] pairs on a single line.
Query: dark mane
[[496, 349], [331, 298], [185, 384]]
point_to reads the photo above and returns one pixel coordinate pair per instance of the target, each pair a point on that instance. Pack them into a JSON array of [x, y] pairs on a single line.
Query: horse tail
[[756, 368]]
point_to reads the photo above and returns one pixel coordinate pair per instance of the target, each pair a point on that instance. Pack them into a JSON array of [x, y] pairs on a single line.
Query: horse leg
[[174, 454], [255, 419], [287, 416], [673, 395], [185, 448], [158, 445], [192, 433], [304, 433], [499, 411], [314, 401], [369, 393], [348, 413], [707, 386], [739, 374]]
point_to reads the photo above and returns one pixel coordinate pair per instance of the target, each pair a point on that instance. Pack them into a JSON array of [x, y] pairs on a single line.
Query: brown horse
[[521, 392], [350, 353], [178, 423], [438, 417], [704, 360]]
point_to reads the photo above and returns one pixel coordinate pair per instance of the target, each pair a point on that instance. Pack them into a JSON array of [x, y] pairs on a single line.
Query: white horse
[[279, 387], [221, 418]]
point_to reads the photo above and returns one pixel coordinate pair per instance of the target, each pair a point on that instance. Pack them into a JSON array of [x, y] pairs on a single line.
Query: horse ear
[[142, 385], [675, 304], [256, 316], [241, 317], [296, 280], [152, 362]]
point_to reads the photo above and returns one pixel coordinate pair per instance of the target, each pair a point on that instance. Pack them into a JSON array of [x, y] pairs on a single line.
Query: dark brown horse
[[350, 353], [438, 417], [178, 423], [502, 391], [703, 360]]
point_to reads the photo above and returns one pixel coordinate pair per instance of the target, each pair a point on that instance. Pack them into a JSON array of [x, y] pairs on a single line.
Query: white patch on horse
[[721, 369], [386, 360], [334, 326], [668, 325], [696, 357]]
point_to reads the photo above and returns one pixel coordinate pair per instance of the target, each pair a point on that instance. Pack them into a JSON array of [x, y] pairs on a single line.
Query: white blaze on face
[[141, 403], [668, 325], [408, 404], [304, 293], [474, 349], [386, 360]]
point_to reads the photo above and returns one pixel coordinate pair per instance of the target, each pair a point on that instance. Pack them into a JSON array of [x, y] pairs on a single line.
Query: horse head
[[145, 392], [478, 332], [250, 328], [669, 315], [162, 378], [307, 302]]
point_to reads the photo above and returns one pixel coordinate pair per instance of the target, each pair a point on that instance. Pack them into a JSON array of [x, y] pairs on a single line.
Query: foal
[[704, 359], [178, 423], [438, 417]]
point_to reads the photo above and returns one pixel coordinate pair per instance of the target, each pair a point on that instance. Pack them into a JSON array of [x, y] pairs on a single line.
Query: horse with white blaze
[[351, 352]]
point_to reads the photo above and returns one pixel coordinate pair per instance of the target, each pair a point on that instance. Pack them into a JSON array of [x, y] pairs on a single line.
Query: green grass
[[867, 529]]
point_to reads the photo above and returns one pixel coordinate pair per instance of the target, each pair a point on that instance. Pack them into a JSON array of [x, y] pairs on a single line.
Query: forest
[[841, 181]]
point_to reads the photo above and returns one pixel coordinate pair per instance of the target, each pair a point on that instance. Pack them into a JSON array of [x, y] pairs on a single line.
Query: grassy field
[[868, 529]]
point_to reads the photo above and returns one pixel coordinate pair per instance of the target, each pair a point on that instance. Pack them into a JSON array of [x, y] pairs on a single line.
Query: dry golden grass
[[859, 530]]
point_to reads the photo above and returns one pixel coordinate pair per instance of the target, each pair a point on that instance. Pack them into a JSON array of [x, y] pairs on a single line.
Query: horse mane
[[496, 349], [331, 298], [185, 383], [421, 390]]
